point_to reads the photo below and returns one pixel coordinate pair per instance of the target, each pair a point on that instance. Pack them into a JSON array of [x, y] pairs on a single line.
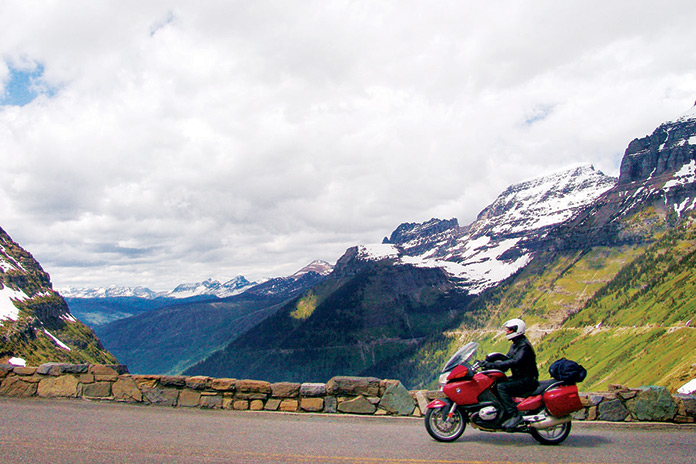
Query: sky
[[160, 142]]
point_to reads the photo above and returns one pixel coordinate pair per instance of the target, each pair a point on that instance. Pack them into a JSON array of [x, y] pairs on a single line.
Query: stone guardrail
[[348, 395]]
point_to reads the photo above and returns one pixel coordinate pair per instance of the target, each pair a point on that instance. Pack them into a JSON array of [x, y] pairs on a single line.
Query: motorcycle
[[471, 397]]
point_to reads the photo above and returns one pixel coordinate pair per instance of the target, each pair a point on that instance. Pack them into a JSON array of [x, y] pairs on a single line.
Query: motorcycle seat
[[546, 385]]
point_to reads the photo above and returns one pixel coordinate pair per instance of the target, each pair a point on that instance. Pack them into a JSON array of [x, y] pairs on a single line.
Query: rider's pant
[[515, 387]]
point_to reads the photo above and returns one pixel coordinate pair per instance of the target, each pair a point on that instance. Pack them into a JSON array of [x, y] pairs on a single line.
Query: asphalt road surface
[[77, 431]]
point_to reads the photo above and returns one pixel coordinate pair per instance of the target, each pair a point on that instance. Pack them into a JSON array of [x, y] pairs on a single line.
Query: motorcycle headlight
[[443, 378]]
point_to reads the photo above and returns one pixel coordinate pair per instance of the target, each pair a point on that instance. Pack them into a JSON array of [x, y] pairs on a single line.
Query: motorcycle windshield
[[464, 353]]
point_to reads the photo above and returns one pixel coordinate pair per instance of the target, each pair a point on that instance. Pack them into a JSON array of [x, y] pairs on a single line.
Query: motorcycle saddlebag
[[563, 400]]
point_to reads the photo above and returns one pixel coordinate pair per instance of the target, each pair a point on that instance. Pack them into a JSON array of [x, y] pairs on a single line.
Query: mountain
[[600, 268], [35, 322], [169, 338], [381, 300], [505, 235], [99, 306], [611, 287], [209, 287]]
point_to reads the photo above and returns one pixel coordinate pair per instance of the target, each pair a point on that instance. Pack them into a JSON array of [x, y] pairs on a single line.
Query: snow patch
[[686, 175], [56, 341], [377, 252], [8, 310], [68, 317], [688, 388], [17, 362]]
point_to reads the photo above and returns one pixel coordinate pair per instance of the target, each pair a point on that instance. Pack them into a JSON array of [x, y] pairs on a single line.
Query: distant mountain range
[[168, 335], [207, 288]]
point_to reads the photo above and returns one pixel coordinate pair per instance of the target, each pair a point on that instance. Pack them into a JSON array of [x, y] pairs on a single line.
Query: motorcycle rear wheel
[[441, 428], [551, 435]]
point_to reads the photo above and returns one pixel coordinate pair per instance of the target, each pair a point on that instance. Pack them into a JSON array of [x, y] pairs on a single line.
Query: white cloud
[[185, 141]]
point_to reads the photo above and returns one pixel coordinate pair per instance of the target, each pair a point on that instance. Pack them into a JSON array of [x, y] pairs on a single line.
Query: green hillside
[[625, 313]]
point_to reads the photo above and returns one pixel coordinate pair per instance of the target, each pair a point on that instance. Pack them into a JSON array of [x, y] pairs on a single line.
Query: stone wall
[[348, 395]]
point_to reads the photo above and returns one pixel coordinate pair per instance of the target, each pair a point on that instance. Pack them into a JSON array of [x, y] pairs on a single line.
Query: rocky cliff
[[35, 323]]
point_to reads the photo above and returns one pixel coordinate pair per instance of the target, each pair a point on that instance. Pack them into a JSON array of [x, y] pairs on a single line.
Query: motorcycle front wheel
[[442, 428], [551, 435]]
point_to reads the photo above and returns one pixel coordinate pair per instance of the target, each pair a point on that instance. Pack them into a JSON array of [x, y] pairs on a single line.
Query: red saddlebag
[[563, 400]]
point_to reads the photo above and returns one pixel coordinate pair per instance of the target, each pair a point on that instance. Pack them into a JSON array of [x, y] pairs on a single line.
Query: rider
[[522, 361]]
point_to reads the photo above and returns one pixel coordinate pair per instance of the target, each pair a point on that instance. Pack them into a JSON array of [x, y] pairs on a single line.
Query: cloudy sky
[[159, 142]]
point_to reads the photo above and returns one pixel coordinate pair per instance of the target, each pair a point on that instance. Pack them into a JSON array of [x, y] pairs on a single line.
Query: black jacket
[[521, 360]]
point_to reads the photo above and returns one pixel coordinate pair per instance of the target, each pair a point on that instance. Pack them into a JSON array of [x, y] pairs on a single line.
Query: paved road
[[76, 431]]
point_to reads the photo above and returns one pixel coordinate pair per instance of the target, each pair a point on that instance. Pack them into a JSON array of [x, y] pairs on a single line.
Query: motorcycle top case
[[563, 400]]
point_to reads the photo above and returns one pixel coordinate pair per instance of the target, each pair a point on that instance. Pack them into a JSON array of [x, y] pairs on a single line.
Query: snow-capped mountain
[[504, 235], [113, 291], [211, 287], [208, 287]]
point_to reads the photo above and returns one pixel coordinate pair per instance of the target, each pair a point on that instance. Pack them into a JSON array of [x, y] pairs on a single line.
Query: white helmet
[[517, 326]]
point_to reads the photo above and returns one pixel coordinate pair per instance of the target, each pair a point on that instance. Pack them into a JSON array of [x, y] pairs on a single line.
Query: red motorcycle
[[471, 397]]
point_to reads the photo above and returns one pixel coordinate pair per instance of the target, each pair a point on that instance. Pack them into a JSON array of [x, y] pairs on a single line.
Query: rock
[[687, 404], [285, 390], [422, 401], [308, 390], [256, 405], [24, 371], [121, 369], [312, 404], [14, 386], [63, 386], [173, 381], [189, 399], [353, 386], [51, 368], [198, 382], [5, 369], [251, 396], [160, 396], [612, 410], [653, 404], [397, 400], [224, 384], [330, 405], [289, 405], [617, 388], [627, 395], [359, 405], [97, 390], [76, 368], [272, 405], [100, 369], [56, 369], [212, 401], [240, 405], [146, 381], [125, 389], [254, 386]]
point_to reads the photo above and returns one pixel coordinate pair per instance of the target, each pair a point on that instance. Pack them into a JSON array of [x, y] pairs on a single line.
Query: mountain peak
[[501, 240], [665, 151], [318, 266]]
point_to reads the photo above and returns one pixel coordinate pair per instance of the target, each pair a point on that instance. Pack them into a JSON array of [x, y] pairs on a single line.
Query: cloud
[[185, 141]]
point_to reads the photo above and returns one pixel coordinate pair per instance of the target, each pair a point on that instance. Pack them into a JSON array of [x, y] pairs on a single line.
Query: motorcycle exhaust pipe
[[551, 421]]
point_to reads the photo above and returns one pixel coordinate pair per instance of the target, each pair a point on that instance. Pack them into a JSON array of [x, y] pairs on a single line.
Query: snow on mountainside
[[502, 239]]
